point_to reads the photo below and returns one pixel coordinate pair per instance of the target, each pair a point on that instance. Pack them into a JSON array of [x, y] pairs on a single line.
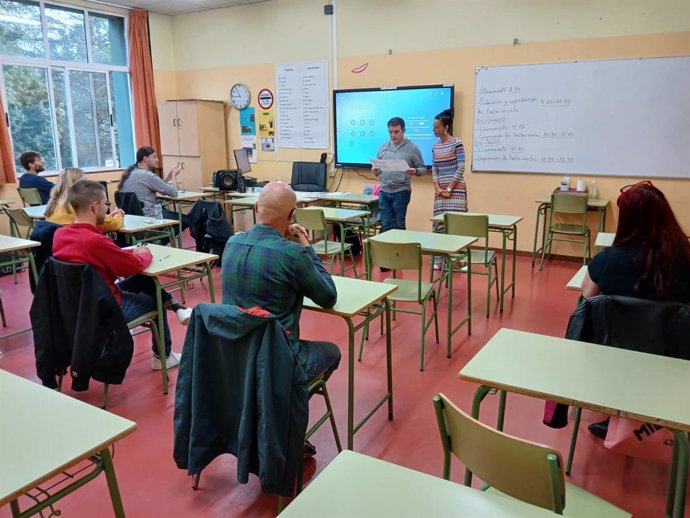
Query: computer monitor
[[242, 160]]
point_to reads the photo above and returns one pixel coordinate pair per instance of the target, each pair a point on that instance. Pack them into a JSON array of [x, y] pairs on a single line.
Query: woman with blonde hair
[[59, 211]]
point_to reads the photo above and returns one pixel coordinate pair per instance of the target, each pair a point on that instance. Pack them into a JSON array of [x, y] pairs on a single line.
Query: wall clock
[[239, 96]]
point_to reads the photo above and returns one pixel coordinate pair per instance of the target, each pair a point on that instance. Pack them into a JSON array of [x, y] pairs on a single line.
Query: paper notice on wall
[[249, 145], [248, 121], [303, 111], [266, 119]]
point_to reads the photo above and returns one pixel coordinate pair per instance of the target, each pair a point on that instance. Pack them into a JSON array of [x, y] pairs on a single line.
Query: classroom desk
[[598, 205], [183, 198], [344, 217], [17, 248], [604, 239], [136, 224], [36, 212], [167, 260], [356, 296], [444, 245], [355, 485], [348, 198], [507, 226], [646, 387], [43, 433], [241, 203], [575, 283]]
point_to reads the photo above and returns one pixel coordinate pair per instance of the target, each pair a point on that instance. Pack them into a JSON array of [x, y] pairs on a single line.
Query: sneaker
[[599, 429], [170, 362], [309, 450], [383, 270], [183, 315]]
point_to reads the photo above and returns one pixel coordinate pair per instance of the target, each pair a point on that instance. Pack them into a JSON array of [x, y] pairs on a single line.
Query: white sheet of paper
[[393, 164]]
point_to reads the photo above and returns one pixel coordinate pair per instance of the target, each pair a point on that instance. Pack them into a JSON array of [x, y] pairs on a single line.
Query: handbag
[[637, 439]]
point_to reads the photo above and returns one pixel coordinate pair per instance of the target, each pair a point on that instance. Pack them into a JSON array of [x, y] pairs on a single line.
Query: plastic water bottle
[[593, 192], [158, 211]]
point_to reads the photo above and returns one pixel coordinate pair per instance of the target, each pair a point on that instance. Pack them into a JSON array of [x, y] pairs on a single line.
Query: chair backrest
[[474, 225], [30, 196], [19, 218], [569, 204], [525, 470], [395, 256], [315, 221], [309, 176], [129, 202]]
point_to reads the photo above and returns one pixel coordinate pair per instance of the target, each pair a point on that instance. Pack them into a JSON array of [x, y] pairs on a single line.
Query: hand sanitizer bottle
[[593, 193]]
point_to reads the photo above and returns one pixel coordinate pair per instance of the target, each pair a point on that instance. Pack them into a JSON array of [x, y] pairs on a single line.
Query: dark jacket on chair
[[208, 227], [43, 232], [77, 322], [241, 390], [632, 323]]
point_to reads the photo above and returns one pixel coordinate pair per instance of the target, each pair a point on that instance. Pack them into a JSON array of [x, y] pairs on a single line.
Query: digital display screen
[[361, 119]]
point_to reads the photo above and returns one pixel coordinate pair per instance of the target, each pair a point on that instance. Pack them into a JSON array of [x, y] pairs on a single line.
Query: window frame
[[90, 66]]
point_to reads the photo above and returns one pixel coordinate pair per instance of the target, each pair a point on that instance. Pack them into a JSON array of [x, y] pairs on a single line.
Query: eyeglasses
[[292, 212], [634, 185]]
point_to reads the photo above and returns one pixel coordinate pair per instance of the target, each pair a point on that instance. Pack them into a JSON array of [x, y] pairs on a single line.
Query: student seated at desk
[[33, 163], [650, 256], [84, 243], [59, 211]]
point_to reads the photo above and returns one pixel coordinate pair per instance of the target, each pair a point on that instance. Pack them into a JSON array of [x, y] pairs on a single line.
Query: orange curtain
[[146, 130], [6, 157]]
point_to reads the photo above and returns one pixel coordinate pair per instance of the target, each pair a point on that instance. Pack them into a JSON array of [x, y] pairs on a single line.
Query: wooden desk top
[[11, 244], [355, 485], [432, 242], [334, 214], [604, 239], [35, 212], [646, 387], [354, 295], [576, 282], [43, 432], [134, 224], [497, 221], [183, 196], [243, 201], [596, 203], [169, 259], [348, 197]]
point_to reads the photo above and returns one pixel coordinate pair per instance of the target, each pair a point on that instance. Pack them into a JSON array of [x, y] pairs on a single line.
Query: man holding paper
[[396, 161]]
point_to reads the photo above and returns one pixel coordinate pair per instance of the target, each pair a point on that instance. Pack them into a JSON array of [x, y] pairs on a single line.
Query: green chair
[[404, 256], [18, 221], [314, 221], [513, 467], [475, 225], [575, 204], [30, 197]]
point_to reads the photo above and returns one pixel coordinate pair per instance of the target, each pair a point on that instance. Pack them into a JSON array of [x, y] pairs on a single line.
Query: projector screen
[[361, 117]]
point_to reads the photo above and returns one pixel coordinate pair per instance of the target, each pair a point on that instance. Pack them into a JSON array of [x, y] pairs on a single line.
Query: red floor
[[152, 486]]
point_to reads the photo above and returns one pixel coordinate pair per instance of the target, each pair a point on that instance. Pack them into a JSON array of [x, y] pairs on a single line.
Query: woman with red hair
[[650, 256]]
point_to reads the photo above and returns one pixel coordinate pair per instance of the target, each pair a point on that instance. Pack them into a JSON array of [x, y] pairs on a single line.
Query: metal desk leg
[[212, 294], [515, 232], [469, 294], [503, 268], [541, 211], [351, 383], [389, 359], [161, 334], [112, 483], [449, 288], [32, 265], [179, 219], [342, 248], [678, 479]]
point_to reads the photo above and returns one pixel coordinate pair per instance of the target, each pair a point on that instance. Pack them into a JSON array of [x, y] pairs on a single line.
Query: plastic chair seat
[[329, 247], [569, 228], [407, 290]]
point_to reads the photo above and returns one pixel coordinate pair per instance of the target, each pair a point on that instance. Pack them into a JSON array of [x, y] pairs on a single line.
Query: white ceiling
[[172, 7]]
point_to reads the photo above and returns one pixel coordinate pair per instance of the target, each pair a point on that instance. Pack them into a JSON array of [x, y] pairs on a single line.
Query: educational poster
[[267, 130], [248, 121], [249, 145], [303, 104]]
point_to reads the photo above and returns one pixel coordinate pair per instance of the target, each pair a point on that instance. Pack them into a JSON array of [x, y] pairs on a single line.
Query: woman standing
[[447, 171]]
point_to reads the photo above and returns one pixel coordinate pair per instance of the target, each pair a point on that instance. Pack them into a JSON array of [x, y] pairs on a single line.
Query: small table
[[166, 260], [598, 205], [604, 239], [19, 250], [575, 283], [183, 198], [354, 297], [43, 433], [36, 212], [354, 485], [641, 386], [136, 224], [343, 217], [507, 226], [444, 245]]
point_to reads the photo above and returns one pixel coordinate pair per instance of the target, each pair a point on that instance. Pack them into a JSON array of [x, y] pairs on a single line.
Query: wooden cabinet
[[193, 134]]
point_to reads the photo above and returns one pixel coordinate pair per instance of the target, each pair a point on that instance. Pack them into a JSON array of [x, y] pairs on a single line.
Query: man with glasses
[[273, 266], [83, 242]]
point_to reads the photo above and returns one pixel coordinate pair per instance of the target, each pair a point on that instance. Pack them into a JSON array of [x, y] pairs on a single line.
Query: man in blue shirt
[[33, 163]]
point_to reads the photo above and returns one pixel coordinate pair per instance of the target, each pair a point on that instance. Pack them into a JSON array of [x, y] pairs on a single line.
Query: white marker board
[[626, 117]]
